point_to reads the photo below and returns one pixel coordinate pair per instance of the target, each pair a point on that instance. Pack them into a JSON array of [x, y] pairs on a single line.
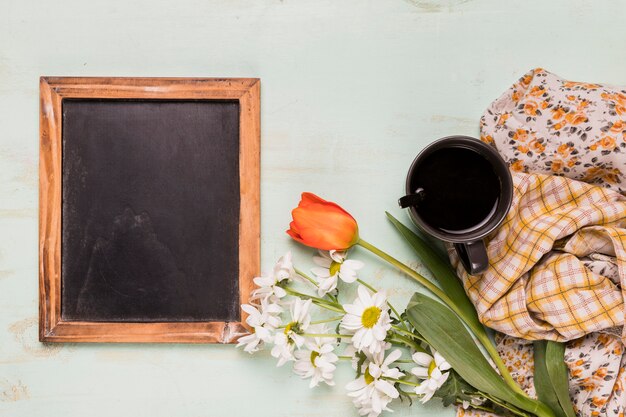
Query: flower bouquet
[[435, 348]]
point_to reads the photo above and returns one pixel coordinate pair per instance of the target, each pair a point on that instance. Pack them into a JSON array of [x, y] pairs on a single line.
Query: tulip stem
[[411, 272], [474, 326]]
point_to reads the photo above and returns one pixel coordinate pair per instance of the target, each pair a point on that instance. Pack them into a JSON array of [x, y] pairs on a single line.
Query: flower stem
[[327, 320], [407, 270], [480, 407], [401, 381], [305, 276], [312, 281], [366, 285], [506, 406], [326, 335], [408, 342], [484, 340], [407, 333], [329, 305], [474, 325]]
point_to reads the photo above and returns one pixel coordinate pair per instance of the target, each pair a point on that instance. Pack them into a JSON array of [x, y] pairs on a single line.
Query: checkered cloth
[[539, 284]]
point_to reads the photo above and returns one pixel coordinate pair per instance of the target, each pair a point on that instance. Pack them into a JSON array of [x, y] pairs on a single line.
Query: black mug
[[459, 190]]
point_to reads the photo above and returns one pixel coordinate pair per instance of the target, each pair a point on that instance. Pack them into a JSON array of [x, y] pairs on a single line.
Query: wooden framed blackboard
[[149, 208]]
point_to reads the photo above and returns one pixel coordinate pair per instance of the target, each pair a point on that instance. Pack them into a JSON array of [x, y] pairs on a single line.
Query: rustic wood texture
[[53, 90]]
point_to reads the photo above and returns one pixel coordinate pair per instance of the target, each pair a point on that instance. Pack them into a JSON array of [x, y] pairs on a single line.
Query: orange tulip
[[322, 224]]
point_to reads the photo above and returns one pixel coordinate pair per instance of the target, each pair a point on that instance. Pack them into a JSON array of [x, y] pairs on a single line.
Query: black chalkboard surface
[[150, 203], [149, 225]]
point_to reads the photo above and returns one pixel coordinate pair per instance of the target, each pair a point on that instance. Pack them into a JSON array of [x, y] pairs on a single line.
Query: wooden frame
[[53, 90]]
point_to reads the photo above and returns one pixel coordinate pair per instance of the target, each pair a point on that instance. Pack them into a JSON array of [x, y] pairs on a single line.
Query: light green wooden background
[[351, 90]]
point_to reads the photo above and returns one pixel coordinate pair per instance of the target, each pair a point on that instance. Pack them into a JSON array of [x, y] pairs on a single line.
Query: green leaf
[[405, 395], [557, 370], [543, 384], [454, 390], [441, 270], [360, 363], [445, 332]]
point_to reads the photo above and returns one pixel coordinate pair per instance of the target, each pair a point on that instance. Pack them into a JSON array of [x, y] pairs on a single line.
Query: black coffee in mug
[[461, 189]]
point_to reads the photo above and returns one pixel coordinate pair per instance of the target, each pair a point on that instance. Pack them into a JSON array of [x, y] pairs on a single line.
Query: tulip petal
[[307, 199], [324, 238], [322, 224], [294, 227], [295, 236]]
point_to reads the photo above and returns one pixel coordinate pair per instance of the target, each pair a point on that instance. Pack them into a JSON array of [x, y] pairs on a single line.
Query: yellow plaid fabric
[[537, 285]]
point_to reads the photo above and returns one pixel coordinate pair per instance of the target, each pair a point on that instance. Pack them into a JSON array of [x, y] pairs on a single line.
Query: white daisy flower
[[290, 338], [476, 400], [367, 320], [432, 370], [332, 266], [264, 321], [269, 283], [356, 357], [372, 392], [318, 360]]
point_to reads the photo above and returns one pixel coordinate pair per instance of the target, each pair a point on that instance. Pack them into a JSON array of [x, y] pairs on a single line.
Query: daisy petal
[[420, 372], [365, 295], [321, 272], [387, 388], [422, 358], [323, 262], [393, 356]]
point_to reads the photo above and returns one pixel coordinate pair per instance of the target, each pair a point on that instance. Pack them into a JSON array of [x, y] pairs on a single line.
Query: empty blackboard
[[156, 199], [150, 203]]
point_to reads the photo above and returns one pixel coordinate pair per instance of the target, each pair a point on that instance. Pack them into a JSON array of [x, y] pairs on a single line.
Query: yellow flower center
[[294, 326], [368, 377], [431, 367], [334, 268], [370, 316], [314, 355], [289, 326]]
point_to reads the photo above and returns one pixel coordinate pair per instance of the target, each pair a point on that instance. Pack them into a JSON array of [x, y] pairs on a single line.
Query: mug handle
[[412, 199], [473, 256]]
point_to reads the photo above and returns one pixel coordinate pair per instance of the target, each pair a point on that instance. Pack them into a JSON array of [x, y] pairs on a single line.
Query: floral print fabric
[[597, 369], [544, 124]]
